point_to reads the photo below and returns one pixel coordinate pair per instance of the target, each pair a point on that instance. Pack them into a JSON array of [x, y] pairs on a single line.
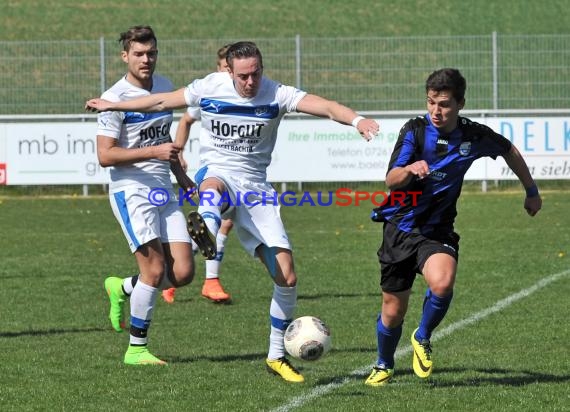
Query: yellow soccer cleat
[[422, 362], [283, 368], [379, 376]]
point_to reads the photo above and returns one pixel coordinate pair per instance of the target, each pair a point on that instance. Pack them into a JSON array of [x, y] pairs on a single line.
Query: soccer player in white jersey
[[139, 152], [212, 288], [241, 111]]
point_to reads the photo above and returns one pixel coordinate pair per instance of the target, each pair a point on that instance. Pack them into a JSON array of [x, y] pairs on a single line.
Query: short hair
[[243, 50], [137, 34], [447, 79]]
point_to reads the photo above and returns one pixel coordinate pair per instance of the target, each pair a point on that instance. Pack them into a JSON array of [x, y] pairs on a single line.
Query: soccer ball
[[307, 338]]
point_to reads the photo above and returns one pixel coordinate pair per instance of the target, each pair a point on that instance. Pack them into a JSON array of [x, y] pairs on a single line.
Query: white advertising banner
[[64, 152]]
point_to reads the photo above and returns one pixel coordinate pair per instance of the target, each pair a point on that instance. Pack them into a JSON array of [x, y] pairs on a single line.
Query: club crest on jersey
[[261, 110], [465, 148]]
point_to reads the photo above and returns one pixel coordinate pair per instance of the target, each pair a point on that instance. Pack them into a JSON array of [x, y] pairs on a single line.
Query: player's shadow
[[222, 358], [335, 295], [440, 378], [497, 376], [50, 332]]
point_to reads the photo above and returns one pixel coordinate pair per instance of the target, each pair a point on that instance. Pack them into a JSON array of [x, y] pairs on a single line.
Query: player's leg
[[212, 288], [118, 290], [151, 260], [126, 207], [397, 257], [178, 251], [439, 272], [279, 264], [204, 224]]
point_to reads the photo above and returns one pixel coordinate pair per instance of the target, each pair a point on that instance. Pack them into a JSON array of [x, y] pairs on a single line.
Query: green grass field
[[59, 352], [502, 347], [180, 19]]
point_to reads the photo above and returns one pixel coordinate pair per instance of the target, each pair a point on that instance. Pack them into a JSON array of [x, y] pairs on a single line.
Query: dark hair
[[138, 34], [447, 79], [223, 51], [243, 50]]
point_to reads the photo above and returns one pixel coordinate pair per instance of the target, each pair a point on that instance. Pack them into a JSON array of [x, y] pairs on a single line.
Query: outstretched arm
[[515, 161], [157, 102], [321, 107]]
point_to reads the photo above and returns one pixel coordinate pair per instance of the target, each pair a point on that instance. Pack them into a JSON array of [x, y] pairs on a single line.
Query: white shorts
[[257, 219], [143, 221]]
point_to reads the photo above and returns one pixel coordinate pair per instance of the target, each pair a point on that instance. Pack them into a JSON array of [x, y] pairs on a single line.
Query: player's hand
[[533, 204], [183, 162], [97, 105], [166, 151], [368, 128], [420, 169]]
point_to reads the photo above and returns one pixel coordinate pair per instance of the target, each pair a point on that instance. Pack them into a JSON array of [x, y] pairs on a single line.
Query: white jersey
[[194, 113], [238, 134], [134, 130]]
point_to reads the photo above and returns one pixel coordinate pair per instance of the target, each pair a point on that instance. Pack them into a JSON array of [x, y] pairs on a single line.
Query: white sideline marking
[[497, 307]]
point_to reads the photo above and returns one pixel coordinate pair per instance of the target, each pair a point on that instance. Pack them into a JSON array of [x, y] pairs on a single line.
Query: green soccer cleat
[[139, 355], [422, 362], [201, 235], [379, 376], [283, 368], [117, 298]]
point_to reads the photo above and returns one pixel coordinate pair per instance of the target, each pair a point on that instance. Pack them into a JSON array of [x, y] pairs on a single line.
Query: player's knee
[[443, 287], [183, 276]]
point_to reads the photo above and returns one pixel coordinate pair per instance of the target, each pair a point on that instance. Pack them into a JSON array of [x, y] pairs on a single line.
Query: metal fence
[[368, 74]]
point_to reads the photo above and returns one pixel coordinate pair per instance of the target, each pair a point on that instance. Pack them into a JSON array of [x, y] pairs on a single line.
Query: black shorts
[[402, 255]]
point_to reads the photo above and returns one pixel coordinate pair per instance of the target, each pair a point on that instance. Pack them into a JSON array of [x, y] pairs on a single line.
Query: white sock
[[213, 266], [281, 312], [143, 299], [128, 284], [210, 210]]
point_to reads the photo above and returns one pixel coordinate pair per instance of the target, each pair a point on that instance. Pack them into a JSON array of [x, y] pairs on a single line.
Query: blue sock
[[387, 341], [435, 308]]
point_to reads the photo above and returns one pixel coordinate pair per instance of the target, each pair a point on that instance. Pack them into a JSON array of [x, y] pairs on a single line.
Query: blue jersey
[[448, 156]]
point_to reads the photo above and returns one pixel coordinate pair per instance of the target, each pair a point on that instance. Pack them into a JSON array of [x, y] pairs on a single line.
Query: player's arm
[[181, 177], [403, 166], [157, 102], [110, 153], [321, 107], [183, 130], [515, 161], [401, 176]]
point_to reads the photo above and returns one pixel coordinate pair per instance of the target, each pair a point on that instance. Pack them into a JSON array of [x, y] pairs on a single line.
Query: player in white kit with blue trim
[[139, 152], [241, 111]]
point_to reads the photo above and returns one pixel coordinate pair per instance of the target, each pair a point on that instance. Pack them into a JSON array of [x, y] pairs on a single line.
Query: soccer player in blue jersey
[[139, 152], [432, 155], [241, 111]]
